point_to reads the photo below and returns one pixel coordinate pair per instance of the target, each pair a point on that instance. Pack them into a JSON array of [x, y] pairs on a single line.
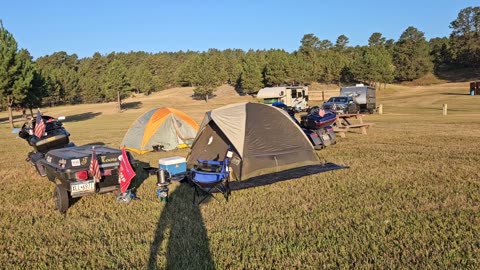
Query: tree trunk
[[9, 105], [119, 101]]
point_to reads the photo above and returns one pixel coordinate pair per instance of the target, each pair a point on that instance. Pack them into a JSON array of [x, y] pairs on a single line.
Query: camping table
[[344, 123]]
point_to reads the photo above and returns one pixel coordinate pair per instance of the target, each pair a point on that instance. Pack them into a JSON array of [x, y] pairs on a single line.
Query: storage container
[[174, 165]]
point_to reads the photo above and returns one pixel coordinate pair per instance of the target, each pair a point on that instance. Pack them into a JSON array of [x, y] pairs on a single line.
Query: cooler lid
[[171, 160]]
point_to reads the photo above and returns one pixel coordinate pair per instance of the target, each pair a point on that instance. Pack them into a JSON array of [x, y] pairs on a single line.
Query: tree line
[[61, 78]]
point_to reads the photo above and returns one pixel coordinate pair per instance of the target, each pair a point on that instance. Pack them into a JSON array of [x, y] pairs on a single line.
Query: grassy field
[[409, 199]]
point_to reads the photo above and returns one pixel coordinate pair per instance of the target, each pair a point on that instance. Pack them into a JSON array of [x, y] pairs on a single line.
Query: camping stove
[[163, 180]]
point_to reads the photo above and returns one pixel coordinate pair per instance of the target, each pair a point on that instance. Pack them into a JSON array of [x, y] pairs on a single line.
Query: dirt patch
[[226, 91]]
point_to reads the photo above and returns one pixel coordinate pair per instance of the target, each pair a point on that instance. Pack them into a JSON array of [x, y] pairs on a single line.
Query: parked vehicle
[[68, 169], [317, 127], [341, 105], [364, 96], [292, 96], [67, 165], [54, 137]]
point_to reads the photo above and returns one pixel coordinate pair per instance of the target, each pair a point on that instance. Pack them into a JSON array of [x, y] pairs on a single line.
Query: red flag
[[126, 172], [39, 125], [94, 168]]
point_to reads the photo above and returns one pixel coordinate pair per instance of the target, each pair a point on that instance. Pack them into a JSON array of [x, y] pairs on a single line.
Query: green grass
[[409, 199]]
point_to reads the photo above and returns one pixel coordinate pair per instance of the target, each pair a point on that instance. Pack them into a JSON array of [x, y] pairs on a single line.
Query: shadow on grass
[[458, 74], [140, 176], [196, 97], [15, 118], [132, 105], [70, 118], [181, 235], [456, 94], [81, 117], [94, 143], [73, 201], [284, 175]]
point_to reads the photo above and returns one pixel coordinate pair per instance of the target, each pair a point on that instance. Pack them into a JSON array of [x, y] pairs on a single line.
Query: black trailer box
[[69, 169], [53, 141]]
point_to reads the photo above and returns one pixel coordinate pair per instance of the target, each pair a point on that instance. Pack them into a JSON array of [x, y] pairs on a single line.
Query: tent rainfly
[[165, 127], [263, 138]]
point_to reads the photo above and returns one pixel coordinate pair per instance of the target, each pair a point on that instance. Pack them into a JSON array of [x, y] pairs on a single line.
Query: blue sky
[[85, 27]]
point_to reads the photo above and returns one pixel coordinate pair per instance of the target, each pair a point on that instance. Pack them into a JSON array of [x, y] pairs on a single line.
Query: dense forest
[[61, 78]]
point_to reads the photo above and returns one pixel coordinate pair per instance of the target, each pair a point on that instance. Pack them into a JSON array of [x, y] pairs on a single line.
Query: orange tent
[[166, 128]]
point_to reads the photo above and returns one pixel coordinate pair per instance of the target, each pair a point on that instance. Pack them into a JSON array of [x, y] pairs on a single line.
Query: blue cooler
[[174, 165]]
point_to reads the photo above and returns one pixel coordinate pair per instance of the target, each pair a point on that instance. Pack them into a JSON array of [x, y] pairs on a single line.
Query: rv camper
[[365, 96], [293, 96]]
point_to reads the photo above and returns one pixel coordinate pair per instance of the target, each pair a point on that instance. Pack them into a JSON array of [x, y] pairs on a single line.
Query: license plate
[[325, 137], [83, 187]]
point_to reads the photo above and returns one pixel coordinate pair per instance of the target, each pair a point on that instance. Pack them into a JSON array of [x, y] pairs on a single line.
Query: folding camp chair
[[209, 176]]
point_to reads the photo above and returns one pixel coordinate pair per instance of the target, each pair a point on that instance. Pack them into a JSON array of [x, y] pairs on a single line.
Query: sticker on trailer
[[75, 162]]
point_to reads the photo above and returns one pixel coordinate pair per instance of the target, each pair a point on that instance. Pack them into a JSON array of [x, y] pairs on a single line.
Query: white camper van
[[365, 96], [293, 96]]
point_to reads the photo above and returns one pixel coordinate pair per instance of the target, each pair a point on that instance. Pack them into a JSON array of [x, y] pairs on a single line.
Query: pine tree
[[440, 51], [219, 62], [233, 67], [205, 78], [11, 91], [376, 39], [115, 81], [61, 69], [142, 79], [341, 43], [275, 72], [187, 72], [465, 37], [334, 62], [37, 92], [373, 65], [411, 55], [251, 77], [90, 75], [24, 82]]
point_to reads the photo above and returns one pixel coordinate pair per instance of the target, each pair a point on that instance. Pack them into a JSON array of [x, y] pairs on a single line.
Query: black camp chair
[[209, 176]]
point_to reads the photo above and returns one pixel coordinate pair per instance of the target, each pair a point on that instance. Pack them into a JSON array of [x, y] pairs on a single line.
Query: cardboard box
[[174, 165]]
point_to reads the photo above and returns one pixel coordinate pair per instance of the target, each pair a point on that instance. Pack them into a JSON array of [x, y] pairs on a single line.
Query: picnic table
[[345, 122]]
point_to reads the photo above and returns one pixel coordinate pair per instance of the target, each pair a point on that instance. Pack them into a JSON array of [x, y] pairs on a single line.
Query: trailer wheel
[[61, 199]]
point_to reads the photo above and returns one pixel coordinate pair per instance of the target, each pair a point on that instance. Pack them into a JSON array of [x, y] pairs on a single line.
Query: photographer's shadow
[[181, 226]]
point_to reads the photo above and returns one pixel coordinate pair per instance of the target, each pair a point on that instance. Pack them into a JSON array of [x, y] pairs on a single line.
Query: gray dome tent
[[263, 138]]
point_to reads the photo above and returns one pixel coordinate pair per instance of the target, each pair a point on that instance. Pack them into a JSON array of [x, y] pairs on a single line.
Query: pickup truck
[[341, 105]]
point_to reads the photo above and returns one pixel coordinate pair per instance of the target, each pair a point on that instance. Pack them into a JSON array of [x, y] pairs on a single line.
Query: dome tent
[[263, 139], [165, 127]]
